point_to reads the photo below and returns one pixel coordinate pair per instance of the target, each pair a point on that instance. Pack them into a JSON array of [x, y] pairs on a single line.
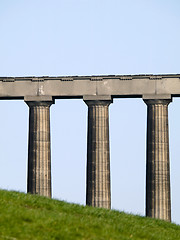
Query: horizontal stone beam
[[145, 86]]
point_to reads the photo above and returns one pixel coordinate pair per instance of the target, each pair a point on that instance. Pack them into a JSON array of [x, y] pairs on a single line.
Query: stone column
[[39, 153], [158, 200], [98, 193]]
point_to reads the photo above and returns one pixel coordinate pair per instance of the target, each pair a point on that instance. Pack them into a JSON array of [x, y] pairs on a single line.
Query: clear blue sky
[[89, 37]]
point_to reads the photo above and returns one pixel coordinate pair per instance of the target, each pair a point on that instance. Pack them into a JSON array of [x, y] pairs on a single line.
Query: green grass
[[24, 216]]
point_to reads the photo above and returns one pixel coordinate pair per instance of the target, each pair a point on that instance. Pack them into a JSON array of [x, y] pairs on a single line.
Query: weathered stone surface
[[158, 200], [98, 193], [39, 154], [79, 86]]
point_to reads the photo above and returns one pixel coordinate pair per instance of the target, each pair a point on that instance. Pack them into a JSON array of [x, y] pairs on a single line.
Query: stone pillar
[[98, 193], [39, 153], [158, 200]]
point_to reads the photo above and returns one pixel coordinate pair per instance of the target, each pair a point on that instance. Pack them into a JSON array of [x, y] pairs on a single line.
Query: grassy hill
[[24, 216]]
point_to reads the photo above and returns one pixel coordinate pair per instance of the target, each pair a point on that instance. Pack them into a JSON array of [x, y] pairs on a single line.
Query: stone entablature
[[145, 86]]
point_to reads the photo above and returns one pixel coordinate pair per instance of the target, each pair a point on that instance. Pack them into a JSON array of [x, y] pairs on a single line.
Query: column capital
[[157, 101], [92, 103], [97, 100], [152, 99], [34, 101]]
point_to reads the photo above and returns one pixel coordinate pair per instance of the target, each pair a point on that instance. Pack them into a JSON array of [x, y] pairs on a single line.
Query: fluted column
[[98, 193], [39, 153], [158, 200]]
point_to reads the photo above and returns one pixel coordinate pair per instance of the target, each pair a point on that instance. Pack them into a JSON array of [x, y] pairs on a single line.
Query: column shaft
[[39, 155], [158, 201], [98, 192]]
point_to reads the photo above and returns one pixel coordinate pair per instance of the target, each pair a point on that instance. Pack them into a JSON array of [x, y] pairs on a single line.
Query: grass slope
[[24, 216]]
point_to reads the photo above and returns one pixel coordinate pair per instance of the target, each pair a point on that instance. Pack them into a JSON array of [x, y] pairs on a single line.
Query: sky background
[[89, 37]]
